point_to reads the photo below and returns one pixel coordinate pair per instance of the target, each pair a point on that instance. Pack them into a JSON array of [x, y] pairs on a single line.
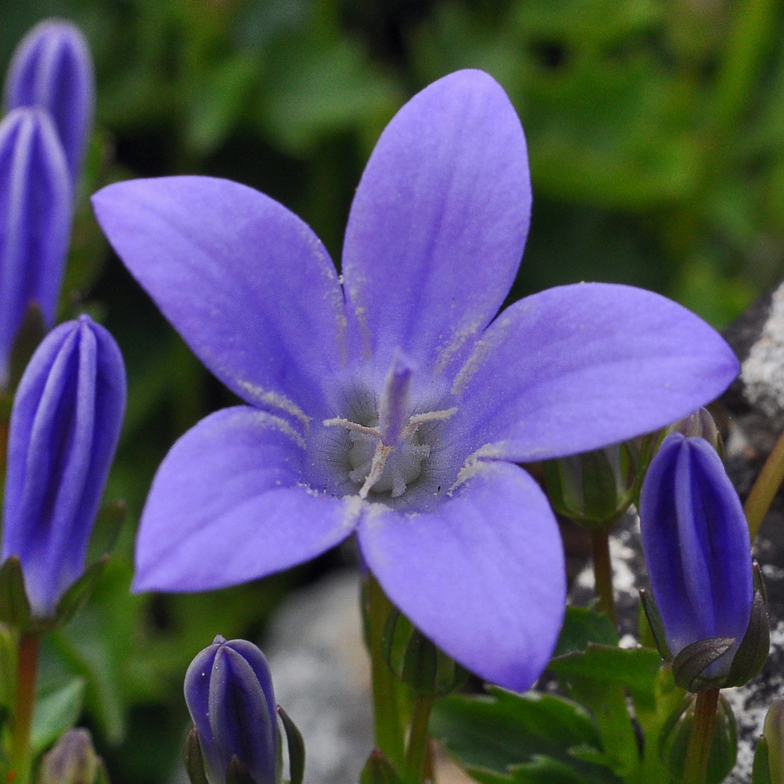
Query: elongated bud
[[594, 488], [52, 69], [35, 220], [418, 662], [698, 553], [72, 760], [675, 735], [228, 690], [64, 429]]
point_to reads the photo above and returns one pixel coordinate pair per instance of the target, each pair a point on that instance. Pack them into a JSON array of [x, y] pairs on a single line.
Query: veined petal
[[578, 367], [229, 504], [696, 544], [35, 221], [483, 576], [52, 69], [439, 221], [243, 280], [64, 429]]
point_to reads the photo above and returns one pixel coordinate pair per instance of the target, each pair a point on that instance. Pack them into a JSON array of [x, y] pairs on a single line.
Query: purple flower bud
[[35, 218], [697, 549], [64, 428], [52, 69], [228, 690]]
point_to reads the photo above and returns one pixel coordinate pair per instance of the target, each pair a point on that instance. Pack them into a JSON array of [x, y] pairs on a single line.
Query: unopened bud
[[700, 424], [418, 662], [676, 733], [594, 488], [72, 760]]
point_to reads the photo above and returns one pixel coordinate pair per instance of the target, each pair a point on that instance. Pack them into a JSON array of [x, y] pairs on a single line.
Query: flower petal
[[483, 576], [439, 221], [228, 505], [579, 367], [242, 279]]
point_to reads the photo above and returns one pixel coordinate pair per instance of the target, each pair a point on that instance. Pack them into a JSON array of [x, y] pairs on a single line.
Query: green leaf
[[582, 626], [760, 772], [636, 669], [491, 735], [57, 709]]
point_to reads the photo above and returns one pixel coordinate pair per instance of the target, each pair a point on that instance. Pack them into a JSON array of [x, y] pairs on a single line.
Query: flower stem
[[765, 488], [701, 737], [602, 570], [27, 664], [416, 753], [386, 704]]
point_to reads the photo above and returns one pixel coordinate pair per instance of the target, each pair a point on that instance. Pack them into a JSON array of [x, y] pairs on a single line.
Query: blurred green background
[[656, 138]]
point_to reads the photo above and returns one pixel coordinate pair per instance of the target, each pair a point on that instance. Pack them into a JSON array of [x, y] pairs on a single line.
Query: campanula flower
[[389, 402], [228, 690], [697, 549], [35, 222], [64, 428], [52, 69]]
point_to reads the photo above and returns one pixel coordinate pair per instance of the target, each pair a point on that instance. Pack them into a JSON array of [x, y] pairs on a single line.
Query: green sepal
[[676, 733], [194, 761], [655, 623], [75, 597], [694, 659], [238, 773], [30, 334], [753, 651], [760, 770], [8, 656], [378, 770], [296, 747], [14, 604], [417, 661]]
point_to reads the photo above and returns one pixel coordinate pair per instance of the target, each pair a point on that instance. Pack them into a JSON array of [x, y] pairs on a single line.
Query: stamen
[[430, 416], [352, 426], [376, 467]]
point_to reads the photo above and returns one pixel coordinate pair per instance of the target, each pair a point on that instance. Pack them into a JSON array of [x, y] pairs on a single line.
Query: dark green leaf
[[582, 626]]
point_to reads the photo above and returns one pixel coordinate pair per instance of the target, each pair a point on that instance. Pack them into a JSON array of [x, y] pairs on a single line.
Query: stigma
[[386, 454]]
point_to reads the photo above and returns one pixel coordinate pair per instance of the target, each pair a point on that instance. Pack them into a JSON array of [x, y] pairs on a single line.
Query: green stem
[[386, 704], [416, 753], [602, 570], [765, 488], [27, 664], [701, 737]]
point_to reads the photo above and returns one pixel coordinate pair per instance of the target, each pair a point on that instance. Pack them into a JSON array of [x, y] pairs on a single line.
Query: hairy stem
[[602, 570], [701, 737], [416, 753], [27, 665], [386, 704]]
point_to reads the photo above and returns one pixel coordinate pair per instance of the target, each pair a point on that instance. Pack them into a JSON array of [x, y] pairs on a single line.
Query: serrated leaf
[[582, 626], [57, 709], [502, 730], [636, 669]]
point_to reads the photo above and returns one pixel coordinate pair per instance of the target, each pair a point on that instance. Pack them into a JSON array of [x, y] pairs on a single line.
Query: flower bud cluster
[[49, 98]]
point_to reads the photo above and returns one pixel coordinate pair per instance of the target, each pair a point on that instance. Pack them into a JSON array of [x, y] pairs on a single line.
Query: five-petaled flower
[[390, 403]]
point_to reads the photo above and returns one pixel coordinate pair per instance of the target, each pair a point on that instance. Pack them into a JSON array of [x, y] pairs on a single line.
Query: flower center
[[386, 455]]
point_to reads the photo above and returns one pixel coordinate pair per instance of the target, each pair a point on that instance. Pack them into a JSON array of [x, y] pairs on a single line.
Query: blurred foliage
[[656, 138]]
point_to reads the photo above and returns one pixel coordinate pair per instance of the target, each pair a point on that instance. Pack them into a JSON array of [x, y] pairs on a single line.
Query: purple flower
[[64, 429], [386, 403], [696, 545], [35, 222], [52, 69], [229, 693]]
